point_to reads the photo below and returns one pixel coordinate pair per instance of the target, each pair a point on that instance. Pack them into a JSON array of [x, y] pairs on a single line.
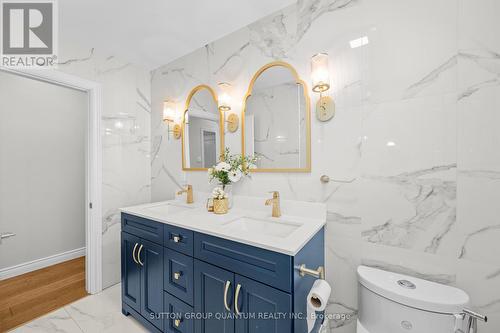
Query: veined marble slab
[[309, 217]]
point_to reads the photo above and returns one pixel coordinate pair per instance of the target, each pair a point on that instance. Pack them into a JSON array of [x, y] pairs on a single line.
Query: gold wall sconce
[[224, 96], [233, 122], [171, 118], [225, 106], [320, 76]]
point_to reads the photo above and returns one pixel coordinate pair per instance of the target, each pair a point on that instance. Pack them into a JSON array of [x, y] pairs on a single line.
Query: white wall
[[125, 137], [42, 170], [427, 82], [125, 132]]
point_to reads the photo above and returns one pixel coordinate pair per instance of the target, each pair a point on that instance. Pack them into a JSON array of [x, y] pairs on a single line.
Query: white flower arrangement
[[223, 166], [231, 169], [235, 175], [218, 193]]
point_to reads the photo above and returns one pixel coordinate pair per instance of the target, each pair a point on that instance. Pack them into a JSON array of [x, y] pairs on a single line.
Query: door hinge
[[90, 205]]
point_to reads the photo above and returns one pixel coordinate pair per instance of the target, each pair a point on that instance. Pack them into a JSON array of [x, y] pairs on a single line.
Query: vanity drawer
[[143, 228], [271, 268], [179, 239], [175, 320], [178, 277]]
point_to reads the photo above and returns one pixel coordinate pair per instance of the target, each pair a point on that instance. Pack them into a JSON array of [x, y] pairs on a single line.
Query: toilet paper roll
[[317, 299]]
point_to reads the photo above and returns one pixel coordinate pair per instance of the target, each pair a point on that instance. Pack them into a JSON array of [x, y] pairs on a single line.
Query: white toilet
[[396, 303]]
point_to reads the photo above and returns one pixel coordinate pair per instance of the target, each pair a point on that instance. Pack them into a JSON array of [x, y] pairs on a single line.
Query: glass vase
[[228, 189]]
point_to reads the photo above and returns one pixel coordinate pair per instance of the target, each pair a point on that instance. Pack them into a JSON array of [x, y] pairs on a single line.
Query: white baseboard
[[30, 266]]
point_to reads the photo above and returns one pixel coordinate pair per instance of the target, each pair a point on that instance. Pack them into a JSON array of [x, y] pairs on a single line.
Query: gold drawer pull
[[228, 283], [133, 253], [238, 288], [139, 255], [177, 239], [177, 275], [177, 322]]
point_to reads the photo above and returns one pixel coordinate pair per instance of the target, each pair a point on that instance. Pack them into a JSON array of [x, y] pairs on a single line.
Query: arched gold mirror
[[276, 121], [202, 130]]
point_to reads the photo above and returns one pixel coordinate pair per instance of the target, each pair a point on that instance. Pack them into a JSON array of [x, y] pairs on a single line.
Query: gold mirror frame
[[221, 124], [298, 80]]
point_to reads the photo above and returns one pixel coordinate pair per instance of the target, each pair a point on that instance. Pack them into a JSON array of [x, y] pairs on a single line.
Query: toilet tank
[[396, 303]]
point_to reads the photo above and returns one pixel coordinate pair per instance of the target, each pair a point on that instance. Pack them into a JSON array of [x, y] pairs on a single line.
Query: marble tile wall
[[126, 176], [417, 128]]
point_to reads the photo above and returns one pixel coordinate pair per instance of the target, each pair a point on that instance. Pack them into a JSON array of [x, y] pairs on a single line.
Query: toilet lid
[[414, 292]]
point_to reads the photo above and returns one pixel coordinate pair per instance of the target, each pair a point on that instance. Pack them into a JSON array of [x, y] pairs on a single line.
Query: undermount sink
[[276, 228], [168, 208]]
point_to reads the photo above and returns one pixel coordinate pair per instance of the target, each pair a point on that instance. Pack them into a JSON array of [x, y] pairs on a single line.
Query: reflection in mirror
[[277, 120], [202, 141]]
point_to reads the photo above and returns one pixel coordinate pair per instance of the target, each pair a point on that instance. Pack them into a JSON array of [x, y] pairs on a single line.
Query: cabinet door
[[263, 309], [131, 271], [211, 285], [150, 257], [179, 319]]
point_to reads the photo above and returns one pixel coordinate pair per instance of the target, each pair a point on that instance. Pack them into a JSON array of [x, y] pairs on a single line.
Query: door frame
[[93, 167], [202, 139]]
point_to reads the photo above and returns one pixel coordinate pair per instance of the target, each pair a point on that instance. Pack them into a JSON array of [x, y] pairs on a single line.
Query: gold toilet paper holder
[[317, 273]]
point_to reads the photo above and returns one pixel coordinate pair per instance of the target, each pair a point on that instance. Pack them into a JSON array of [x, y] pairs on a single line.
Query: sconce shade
[[224, 96], [169, 111], [319, 72]]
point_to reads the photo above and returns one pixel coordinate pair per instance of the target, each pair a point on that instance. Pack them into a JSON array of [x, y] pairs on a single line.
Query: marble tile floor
[[92, 314]]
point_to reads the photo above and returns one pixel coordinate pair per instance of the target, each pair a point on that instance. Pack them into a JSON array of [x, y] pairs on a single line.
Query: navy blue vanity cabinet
[[178, 277], [142, 270], [180, 319], [213, 291], [131, 272], [312, 255], [269, 303], [228, 286], [260, 280], [151, 260]]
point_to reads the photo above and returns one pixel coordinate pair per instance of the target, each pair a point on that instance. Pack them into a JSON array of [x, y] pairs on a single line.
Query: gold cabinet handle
[[139, 255], [177, 275], [176, 239], [226, 289], [177, 322], [238, 288], [133, 253]]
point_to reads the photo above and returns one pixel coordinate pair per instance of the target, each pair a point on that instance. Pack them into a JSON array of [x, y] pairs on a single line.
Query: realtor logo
[[28, 33]]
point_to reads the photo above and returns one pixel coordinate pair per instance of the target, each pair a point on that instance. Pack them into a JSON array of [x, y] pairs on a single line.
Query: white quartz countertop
[[305, 217]]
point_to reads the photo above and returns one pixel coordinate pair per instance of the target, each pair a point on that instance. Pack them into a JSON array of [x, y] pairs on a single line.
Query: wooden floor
[[31, 295]]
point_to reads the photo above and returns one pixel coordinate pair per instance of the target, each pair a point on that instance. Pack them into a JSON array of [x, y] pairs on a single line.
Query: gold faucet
[[275, 201], [189, 191]]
